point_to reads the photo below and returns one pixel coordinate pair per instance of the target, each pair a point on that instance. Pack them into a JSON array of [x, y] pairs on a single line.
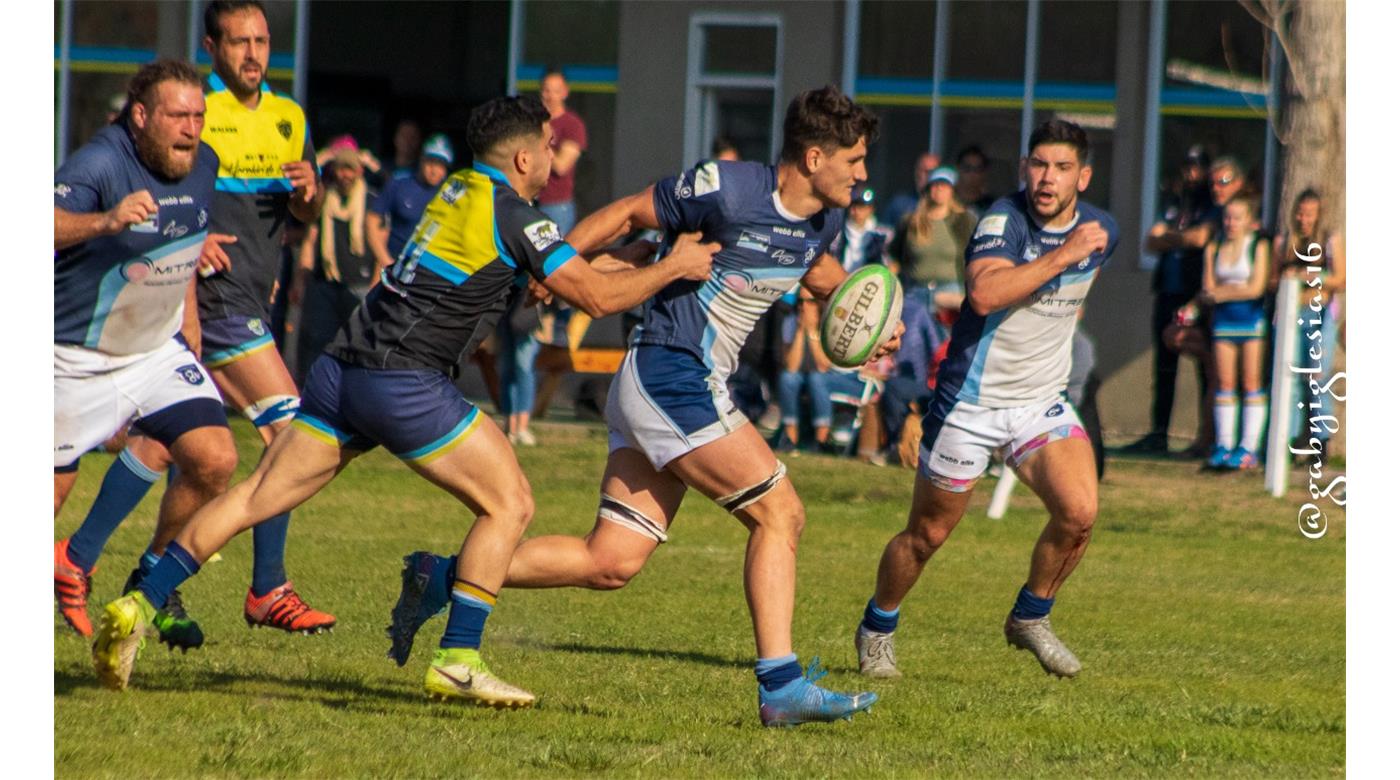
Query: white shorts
[[957, 446], [95, 394], [663, 404]]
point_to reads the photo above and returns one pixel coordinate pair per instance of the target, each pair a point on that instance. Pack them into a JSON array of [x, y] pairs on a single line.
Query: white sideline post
[[1281, 402], [1001, 496]]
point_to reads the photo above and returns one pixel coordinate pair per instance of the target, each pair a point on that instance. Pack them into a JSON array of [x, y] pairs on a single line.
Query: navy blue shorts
[[1238, 321], [417, 414], [228, 339]]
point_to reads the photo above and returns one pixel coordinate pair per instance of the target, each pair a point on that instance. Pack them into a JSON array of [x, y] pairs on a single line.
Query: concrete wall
[[650, 126]]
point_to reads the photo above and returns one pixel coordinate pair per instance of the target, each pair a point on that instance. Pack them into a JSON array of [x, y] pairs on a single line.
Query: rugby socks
[[471, 605], [774, 673], [126, 483], [439, 589], [1030, 606], [878, 620], [1255, 408], [176, 566], [148, 561], [269, 547], [1227, 415]]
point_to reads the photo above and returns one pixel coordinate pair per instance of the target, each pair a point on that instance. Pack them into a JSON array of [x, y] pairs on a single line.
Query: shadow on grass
[[642, 652], [329, 691]]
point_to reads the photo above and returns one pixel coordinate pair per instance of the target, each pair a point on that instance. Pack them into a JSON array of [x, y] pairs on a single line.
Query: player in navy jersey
[[672, 425], [384, 380], [1030, 264], [131, 212]]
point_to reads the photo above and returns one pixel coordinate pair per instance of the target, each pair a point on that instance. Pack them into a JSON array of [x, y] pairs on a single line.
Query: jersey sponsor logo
[[203, 217], [1031, 252], [137, 270], [255, 327], [453, 191], [811, 253], [991, 225], [62, 190], [175, 230], [681, 190], [1055, 411], [284, 128], [541, 234], [784, 257], [995, 243], [191, 373], [151, 225], [758, 242], [707, 179]]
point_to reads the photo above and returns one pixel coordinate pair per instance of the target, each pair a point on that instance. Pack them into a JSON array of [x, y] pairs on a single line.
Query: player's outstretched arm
[[607, 224], [994, 283], [599, 294], [70, 228]]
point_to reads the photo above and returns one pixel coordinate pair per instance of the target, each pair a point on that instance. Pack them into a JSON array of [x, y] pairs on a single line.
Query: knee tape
[[628, 517], [272, 409], [738, 500]]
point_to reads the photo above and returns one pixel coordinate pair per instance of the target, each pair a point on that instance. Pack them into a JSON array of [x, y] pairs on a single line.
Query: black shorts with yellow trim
[[416, 414]]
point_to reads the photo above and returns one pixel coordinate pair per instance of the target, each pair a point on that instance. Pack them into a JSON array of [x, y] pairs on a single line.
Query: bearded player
[[1030, 264]]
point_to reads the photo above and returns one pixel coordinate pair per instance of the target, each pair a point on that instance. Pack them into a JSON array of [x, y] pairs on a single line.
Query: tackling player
[[671, 423], [131, 212], [1030, 264], [267, 173], [384, 380]]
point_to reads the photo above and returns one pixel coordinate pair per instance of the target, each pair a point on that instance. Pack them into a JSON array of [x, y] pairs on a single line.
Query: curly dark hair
[[218, 8], [142, 87], [828, 119], [503, 119], [1059, 131]]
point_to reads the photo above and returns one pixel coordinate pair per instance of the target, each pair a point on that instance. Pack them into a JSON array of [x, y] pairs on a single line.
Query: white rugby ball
[[861, 315]]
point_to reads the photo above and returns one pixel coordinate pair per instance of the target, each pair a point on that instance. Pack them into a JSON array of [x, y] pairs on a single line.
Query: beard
[[162, 158]]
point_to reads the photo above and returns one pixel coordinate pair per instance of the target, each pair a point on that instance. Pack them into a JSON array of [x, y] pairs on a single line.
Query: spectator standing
[[569, 142], [928, 244], [972, 180], [805, 365], [395, 213], [1301, 245], [724, 149], [903, 203], [1236, 274], [408, 137], [1179, 239], [337, 267], [862, 240]]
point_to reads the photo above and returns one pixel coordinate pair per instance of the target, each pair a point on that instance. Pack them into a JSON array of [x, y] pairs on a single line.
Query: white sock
[[1227, 415], [1255, 408]]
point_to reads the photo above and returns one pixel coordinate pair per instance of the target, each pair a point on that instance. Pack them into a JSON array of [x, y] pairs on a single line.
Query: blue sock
[[439, 590], [1030, 606], [471, 605], [774, 673], [176, 566], [148, 561], [878, 620], [269, 547], [127, 482]]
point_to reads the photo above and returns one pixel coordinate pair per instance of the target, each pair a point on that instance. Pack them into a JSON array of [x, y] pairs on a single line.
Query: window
[[734, 67]]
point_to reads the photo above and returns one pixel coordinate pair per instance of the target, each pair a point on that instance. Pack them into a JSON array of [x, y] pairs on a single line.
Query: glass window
[[1078, 41], [571, 32], [747, 50], [896, 39], [987, 40], [735, 92], [997, 134]]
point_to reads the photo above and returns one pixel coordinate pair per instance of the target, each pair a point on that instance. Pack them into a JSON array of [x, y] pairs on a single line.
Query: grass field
[[1212, 636]]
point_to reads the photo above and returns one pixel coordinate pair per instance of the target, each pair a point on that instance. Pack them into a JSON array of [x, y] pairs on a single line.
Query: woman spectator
[[336, 268], [1236, 274], [1303, 244], [928, 244]]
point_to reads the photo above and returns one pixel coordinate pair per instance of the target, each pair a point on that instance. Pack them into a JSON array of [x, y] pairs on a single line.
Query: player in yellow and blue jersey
[[384, 380]]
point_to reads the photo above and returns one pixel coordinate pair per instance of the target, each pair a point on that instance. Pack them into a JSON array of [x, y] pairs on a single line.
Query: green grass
[[1211, 632]]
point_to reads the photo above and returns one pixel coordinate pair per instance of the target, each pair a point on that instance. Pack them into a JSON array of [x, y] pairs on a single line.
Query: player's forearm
[[307, 211], [70, 229], [610, 293], [603, 226], [1002, 287]]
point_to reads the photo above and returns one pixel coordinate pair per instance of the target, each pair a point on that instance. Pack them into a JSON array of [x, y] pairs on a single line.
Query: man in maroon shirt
[[570, 140]]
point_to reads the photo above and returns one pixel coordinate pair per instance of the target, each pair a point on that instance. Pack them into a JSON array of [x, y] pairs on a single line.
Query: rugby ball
[[861, 315]]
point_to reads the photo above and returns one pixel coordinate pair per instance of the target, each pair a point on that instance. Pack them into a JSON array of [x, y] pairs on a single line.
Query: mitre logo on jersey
[[136, 270], [285, 129], [541, 234], [707, 179], [991, 225]]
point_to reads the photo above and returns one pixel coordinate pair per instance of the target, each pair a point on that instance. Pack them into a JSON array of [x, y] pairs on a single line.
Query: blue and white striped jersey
[[765, 252]]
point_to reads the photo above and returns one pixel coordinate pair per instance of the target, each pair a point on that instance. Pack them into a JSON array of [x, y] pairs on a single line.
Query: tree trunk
[[1314, 123]]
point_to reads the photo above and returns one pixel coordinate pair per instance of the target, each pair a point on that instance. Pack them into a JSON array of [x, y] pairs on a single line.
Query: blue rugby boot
[[418, 602], [803, 701]]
